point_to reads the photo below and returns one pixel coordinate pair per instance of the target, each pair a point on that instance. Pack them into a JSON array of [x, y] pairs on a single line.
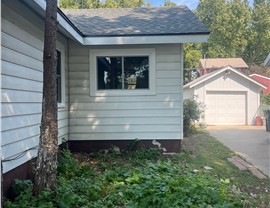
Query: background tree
[[79, 4], [227, 22], [192, 55], [259, 33], [46, 164], [87, 4], [169, 3]]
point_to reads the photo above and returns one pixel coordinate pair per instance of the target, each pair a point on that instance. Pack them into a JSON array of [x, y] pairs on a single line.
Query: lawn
[[200, 176]]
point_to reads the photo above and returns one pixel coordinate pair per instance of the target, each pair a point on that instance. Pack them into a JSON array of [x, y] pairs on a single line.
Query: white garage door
[[225, 108]]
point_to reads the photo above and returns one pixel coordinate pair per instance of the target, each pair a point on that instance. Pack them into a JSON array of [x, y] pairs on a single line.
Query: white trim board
[[124, 40], [258, 75], [215, 73]]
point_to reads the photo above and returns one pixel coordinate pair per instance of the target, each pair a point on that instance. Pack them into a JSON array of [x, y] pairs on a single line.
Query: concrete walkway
[[250, 142]]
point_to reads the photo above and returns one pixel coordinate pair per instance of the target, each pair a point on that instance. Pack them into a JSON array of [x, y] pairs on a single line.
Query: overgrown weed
[[135, 179]]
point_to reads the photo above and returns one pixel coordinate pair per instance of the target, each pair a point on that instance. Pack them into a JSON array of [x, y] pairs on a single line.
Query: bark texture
[[46, 164]]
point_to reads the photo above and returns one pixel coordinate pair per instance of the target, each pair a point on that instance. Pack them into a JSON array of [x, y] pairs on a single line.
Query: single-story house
[[211, 64], [119, 74], [264, 80], [230, 97]]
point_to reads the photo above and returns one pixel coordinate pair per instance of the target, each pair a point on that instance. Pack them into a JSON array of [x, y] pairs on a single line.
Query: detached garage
[[229, 96]]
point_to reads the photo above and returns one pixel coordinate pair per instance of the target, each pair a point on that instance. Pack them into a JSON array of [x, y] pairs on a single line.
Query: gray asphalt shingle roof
[[136, 21]]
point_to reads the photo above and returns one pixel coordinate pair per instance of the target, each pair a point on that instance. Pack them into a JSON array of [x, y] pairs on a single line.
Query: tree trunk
[[46, 164]]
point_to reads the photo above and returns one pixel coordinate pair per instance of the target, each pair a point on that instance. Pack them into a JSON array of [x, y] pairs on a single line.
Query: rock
[[208, 168]]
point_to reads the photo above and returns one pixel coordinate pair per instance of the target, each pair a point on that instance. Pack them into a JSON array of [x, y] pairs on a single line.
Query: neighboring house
[[230, 97], [212, 64], [119, 72], [264, 80]]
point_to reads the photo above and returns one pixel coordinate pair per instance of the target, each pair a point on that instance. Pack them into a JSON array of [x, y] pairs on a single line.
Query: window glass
[[109, 72], [136, 71], [123, 72], [58, 78]]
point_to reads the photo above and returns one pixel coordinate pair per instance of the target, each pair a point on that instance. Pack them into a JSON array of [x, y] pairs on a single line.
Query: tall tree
[[227, 21], [46, 163], [259, 33]]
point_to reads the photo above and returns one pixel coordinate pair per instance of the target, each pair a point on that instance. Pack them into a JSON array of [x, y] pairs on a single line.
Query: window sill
[[61, 105], [103, 93]]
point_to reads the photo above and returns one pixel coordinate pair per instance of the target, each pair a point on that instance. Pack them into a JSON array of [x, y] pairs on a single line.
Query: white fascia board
[[131, 40], [69, 29], [248, 78], [41, 3], [258, 75], [232, 69], [62, 22]]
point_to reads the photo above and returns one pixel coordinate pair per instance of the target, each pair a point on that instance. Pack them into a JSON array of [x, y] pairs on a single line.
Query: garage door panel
[[225, 108]]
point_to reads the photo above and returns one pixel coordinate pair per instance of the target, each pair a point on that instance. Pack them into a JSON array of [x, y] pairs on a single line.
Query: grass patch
[[207, 151], [145, 178]]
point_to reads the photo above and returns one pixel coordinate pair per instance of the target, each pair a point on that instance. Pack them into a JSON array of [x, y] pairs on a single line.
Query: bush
[[193, 111], [265, 99]]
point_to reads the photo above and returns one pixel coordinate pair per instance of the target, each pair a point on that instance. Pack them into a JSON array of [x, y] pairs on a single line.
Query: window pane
[[136, 71], [109, 72]]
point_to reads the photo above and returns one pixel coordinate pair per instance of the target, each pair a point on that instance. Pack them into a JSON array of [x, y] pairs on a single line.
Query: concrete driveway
[[251, 142]]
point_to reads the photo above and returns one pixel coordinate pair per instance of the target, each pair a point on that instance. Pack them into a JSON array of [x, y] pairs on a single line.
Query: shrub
[[265, 99], [193, 111]]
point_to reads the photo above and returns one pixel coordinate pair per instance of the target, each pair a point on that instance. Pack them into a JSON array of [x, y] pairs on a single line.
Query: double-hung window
[[60, 75], [122, 72], [58, 78]]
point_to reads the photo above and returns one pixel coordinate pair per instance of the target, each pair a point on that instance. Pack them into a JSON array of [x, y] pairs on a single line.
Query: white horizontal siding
[[21, 59], [8, 166], [15, 83], [22, 77], [17, 45], [78, 67], [124, 106], [167, 98], [16, 109], [20, 33], [124, 128], [16, 70], [125, 136], [123, 121], [15, 96], [125, 113], [19, 134], [16, 122], [126, 117]]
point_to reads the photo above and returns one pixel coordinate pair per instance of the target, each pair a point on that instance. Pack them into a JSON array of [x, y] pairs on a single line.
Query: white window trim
[[61, 48], [93, 54]]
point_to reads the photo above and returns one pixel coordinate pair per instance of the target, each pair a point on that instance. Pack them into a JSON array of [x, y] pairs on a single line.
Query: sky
[[192, 4]]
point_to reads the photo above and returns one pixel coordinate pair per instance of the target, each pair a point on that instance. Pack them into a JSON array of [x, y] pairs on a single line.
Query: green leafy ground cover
[[144, 178]]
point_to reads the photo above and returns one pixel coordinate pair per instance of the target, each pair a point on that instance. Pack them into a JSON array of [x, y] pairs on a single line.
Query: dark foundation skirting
[[22, 172], [97, 145]]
